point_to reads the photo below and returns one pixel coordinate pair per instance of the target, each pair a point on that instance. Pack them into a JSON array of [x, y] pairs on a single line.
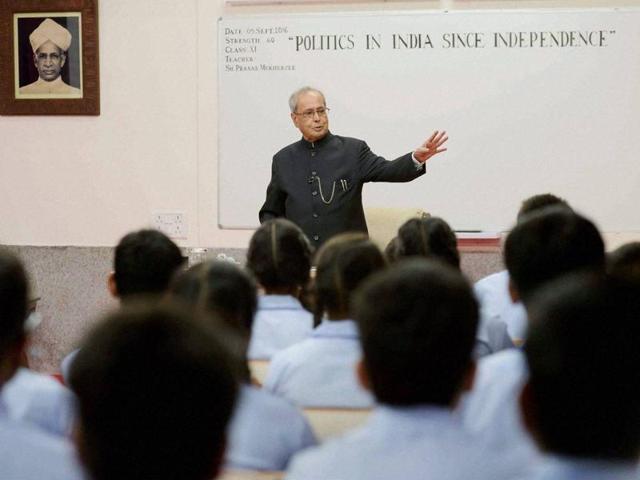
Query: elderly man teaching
[[317, 181]]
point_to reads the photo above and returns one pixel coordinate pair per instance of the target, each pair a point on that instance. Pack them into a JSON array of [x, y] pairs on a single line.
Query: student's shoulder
[[22, 443], [293, 351], [509, 359], [299, 352], [270, 406], [31, 381], [330, 460], [260, 410], [28, 390], [504, 367], [490, 282], [286, 362]]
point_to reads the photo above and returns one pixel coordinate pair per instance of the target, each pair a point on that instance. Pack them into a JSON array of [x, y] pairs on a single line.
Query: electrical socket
[[173, 224]]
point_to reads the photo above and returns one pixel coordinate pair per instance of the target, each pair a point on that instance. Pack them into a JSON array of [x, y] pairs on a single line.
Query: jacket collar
[[318, 143]]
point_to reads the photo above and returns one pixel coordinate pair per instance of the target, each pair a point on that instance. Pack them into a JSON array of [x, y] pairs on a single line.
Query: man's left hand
[[431, 147]]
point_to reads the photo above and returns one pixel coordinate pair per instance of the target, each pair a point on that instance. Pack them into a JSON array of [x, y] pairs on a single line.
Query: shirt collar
[[278, 302], [336, 329], [421, 418], [52, 85]]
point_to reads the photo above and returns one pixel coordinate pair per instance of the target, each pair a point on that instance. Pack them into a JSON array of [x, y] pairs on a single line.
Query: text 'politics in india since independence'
[[243, 46]]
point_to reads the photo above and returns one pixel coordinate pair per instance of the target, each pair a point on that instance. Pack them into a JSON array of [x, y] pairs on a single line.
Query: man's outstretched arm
[[404, 168]]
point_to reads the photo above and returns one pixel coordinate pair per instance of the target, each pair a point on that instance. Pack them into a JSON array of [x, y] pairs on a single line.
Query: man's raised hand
[[431, 147]]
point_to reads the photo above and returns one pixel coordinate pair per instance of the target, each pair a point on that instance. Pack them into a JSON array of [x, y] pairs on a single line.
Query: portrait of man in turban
[[50, 43]]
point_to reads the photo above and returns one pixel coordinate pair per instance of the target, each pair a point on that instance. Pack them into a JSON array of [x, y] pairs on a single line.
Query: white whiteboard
[[531, 118]]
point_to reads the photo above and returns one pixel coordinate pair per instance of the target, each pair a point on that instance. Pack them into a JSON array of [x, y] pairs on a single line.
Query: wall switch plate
[[172, 224]]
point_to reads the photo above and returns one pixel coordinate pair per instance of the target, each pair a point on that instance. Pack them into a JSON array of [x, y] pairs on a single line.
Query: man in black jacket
[[317, 181]]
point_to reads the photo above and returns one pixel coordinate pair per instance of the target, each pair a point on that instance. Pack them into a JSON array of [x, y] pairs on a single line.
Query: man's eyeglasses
[[309, 114]]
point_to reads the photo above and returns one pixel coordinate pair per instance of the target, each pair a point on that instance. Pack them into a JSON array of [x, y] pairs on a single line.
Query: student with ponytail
[[279, 257], [320, 371]]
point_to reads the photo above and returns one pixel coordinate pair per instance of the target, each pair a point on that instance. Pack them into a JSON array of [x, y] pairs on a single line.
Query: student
[[26, 453], [143, 263], [580, 402], [155, 391], [417, 324], [279, 256], [546, 245], [392, 250], [429, 237], [295, 190], [492, 291], [625, 260], [265, 430], [40, 400], [432, 237], [35, 397], [318, 372]]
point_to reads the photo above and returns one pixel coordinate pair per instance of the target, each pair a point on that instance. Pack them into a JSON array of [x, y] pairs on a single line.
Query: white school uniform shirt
[[39, 400], [516, 319], [28, 453], [491, 409], [492, 292], [493, 295], [280, 321], [265, 432], [567, 468], [321, 370], [421, 442], [492, 336]]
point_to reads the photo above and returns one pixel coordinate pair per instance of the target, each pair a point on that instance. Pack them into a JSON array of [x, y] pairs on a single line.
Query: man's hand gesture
[[431, 147]]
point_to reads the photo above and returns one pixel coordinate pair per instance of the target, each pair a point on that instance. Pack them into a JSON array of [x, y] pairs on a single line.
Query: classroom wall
[[70, 187], [85, 181]]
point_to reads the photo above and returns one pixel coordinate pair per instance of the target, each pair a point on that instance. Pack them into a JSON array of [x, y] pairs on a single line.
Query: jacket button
[[314, 193], [314, 173], [315, 215], [313, 154], [316, 237]]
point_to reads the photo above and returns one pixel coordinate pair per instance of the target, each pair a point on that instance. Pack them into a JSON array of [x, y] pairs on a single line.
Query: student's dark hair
[[13, 300], [144, 263], [155, 392], [392, 250], [279, 255], [343, 262], [625, 260], [584, 379], [225, 295], [538, 202], [219, 288], [417, 323], [548, 244], [429, 237]]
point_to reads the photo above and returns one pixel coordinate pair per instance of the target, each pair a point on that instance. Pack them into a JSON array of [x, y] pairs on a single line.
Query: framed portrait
[[49, 57]]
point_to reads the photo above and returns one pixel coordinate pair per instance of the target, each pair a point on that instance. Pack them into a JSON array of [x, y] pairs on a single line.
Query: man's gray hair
[[293, 99]]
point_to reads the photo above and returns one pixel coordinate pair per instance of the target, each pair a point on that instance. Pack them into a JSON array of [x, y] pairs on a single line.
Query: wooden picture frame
[[51, 80]]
